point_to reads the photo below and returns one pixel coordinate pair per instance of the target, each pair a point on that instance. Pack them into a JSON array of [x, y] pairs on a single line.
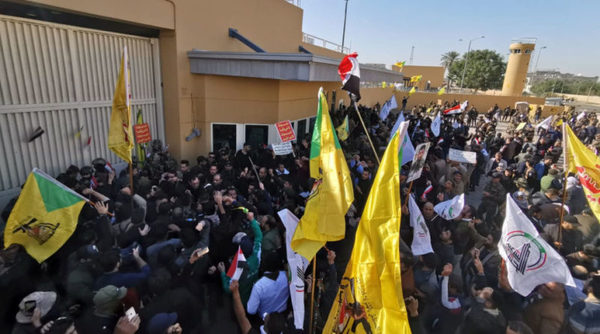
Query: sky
[[383, 31]]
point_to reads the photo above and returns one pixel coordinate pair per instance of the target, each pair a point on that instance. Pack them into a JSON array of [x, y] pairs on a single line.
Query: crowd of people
[[163, 244]]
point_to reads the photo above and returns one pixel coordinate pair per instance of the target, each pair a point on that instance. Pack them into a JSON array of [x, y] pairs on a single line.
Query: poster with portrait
[[418, 162]]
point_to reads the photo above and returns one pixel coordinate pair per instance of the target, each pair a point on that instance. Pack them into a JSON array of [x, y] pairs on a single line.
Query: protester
[[166, 246]]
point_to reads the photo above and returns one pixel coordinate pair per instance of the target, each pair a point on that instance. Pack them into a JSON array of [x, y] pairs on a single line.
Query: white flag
[[397, 124], [297, 265], [545, 123], [435, 125], [388, 106], [421, 243], [530, 260], [452, 208], [408, 150]]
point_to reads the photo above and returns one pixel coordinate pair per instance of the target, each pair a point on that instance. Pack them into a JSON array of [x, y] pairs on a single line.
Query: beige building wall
[[433, 73], [151, 13], [515, 76]]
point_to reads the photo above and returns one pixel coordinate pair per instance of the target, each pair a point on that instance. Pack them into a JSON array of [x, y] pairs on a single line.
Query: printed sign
[[286, 132], [462, 156], [283, 148], [142, 133], [416, 168]]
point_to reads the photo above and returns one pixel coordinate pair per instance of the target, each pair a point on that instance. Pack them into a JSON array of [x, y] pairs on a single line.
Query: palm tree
[[447, 60]]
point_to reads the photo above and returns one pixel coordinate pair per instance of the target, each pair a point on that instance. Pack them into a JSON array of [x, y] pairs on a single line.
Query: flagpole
[[312, 294], [566, 171], [131, 178], [409, 189], [353, 97]]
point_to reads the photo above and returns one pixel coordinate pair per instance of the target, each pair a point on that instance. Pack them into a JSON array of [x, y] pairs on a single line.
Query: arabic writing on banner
[[462, 156], [283, 148], [285, 130], [142, 133]]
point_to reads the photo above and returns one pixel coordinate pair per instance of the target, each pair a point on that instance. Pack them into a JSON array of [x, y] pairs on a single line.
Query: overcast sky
[[383, 31]]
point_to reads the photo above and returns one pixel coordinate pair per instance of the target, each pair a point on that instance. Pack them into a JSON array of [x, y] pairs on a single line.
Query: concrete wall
[[433, 73], [322, 51], [370, 96]]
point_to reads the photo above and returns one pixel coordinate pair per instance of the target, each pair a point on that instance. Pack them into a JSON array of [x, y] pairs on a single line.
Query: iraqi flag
[[530, 260], [237, 265], [456, 109], [350, 74]]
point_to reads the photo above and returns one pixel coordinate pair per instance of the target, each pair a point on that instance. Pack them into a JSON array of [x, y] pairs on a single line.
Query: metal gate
[[62, 78]]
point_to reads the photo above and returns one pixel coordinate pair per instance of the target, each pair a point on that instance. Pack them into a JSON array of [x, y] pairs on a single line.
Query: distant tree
[[448, 59], [558, 86], [485, 70]]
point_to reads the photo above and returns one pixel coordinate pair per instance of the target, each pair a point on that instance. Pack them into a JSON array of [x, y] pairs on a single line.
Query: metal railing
[[318, 41]]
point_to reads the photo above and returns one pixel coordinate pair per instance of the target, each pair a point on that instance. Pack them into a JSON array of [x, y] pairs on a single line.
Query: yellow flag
[[120, 134], [332, 194], [586, 164], [383, 84], [44, 217], [411, 91], [343, 130], [416, 78], [442, 91], [400, 64], [370, 296]]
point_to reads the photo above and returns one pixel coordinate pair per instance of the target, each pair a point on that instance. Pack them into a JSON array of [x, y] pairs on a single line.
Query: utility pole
[[412, 52], [466, 61], [344, 32], [538, 59]]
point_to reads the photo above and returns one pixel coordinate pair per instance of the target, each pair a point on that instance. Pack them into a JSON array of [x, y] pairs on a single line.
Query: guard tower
[[518, 64]]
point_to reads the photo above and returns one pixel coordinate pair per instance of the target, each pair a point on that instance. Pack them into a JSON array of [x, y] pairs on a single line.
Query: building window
[[311, 125], [223, 136], [517, 51], [301, 129], [527, 51], [257, 135]]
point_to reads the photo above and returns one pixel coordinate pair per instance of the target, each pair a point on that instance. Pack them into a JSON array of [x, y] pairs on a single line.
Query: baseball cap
[[109, 297], [43, 300]]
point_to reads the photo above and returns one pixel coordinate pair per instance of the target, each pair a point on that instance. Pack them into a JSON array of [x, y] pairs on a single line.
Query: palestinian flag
[[237, 265], [350, 74], [456, 109], [44, 217]]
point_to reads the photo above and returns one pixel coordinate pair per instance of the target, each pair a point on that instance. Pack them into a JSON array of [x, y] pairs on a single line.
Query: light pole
[[344, 32], [467, 60], [538, 59]]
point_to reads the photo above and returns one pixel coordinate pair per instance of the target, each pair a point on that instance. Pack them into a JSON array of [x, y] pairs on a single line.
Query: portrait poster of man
[[418, 162]]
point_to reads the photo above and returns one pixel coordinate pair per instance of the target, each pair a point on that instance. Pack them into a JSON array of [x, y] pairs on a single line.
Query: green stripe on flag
[[54, 197], [315, 144]]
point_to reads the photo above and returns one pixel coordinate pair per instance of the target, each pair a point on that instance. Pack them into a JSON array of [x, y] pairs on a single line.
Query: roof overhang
[[280, 66]]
